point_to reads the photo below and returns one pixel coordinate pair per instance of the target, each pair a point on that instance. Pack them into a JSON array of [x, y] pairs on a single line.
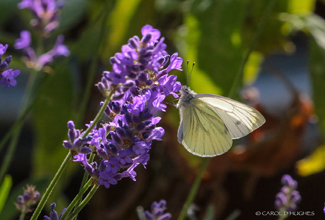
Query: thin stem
[[85, 177], [76, 199], [17, 123], [191, 196], [93, 67], [255, 39], [235, 86], [11, 149], [98, 116], [66, 161], [50, 188], [23, 213], [85, 201]]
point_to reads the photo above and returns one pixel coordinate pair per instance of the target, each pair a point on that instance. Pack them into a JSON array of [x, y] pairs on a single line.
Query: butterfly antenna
[[190, 74], [187, 75]]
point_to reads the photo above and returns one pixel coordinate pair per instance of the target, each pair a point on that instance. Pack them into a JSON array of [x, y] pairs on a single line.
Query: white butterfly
[[210, 122]]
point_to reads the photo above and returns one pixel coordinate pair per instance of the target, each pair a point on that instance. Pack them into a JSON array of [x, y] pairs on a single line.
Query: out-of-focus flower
[[53, 214], [288, 198], [45, 12], [157, 211], [31, 60], [138, 84], [28, 199], [7, 77]]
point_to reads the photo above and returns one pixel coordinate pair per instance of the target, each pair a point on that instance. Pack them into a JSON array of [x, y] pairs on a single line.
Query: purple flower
[[7, 77], [31, 60], [288, 198], [3, 49], [157, 211], [28, 199], [45, 13], [139, 83], [76, 144], [107, 179], [53, 214], [24, 41], [112, 165]]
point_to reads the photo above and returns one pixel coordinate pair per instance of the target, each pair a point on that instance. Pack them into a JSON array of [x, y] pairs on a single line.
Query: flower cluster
[[31, 60], [7, 77], [288, 198], [157, 211], [29, 198], [53, 214], [45, 13], [138, 85]]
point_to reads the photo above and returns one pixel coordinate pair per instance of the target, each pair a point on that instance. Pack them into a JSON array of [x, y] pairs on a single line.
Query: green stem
[[85, 177], [191, 196], [98, 116], [23, 213], [17, 123], [66, 161], [51, 187], [84, 202], [93, 67], [77, 198], [12, 146]]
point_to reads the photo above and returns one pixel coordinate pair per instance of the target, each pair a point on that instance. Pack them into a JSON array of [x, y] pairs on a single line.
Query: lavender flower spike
[[288, 198], [31, 60], [53, 214], [157, 211], [139, 83], [28, 199], [7, 77], [45, 13]]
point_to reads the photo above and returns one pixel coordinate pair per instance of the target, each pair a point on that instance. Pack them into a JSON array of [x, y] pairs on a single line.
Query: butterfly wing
[[240, 119], [202, 132]]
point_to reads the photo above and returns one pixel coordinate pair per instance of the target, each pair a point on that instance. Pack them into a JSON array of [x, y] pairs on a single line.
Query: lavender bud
[[146, 39]]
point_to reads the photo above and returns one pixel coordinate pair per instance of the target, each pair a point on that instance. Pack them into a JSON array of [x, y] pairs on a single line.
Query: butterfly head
[[186, 97]]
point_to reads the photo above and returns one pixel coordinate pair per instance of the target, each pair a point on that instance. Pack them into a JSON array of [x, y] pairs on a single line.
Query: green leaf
[[4, 190], [120, 22], [314, 163], [252, 67], [218, 47], [51, 114], [301, 7], [71, 14], [7, 8], [317, 70], [11, 211]]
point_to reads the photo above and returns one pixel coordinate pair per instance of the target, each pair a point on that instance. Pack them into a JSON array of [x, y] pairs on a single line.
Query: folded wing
[[202, 132], [240, 119]]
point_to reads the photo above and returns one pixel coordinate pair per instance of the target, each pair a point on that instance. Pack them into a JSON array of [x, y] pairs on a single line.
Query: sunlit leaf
[[301, 7], [120, 21], [313, 164], [4, 190], [252, 67], [218, 47]]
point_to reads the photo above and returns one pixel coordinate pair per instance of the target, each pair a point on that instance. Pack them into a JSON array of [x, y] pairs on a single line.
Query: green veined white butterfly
[[208, 123]]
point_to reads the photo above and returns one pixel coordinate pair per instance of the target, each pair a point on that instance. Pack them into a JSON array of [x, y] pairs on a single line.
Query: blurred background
[[284, 78]]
